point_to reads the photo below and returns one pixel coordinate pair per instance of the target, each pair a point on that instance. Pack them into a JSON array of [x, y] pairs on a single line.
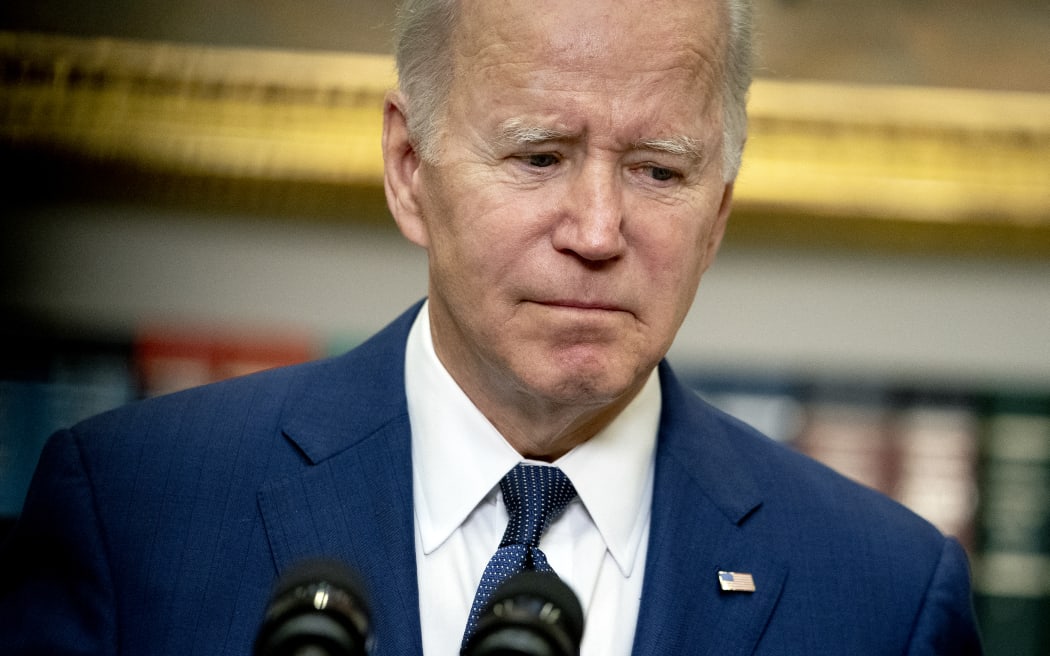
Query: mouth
[[582, 305]]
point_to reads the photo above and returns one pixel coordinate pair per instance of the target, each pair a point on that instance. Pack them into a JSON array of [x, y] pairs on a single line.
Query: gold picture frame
[[826, 166]]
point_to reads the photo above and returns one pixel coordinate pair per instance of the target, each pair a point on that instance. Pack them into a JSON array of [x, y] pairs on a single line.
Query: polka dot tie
[[535, 495]]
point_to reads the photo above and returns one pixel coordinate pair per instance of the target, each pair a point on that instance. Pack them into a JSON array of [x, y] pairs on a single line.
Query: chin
[[584, 386], [591, 373]]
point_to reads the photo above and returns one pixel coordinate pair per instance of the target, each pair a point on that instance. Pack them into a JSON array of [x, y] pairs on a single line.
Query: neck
[[546, 431]]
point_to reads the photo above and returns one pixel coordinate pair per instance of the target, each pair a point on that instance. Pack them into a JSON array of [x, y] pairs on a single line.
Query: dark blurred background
[[987, 44]]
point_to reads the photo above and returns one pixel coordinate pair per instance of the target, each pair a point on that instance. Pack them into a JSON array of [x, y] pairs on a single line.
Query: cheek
[[453, 220], [676, 253], [675, 264], [475, 241], [498, 226]]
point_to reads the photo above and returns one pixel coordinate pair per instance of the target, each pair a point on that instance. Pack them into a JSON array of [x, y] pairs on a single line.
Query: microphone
[[317, 609], [531, 614]]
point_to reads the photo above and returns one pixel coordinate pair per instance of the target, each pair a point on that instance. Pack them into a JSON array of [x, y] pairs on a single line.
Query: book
[[170, 358], [1012, 567]]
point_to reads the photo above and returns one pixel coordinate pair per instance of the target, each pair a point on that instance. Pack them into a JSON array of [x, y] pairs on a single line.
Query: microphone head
[[531, 614], [317, 607]]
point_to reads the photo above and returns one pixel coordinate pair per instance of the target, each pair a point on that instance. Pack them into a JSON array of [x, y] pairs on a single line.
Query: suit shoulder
[[206, 417], [815, 497], [249, 412], [270, 383]]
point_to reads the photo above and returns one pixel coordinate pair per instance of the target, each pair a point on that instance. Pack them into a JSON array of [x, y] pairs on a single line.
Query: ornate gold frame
[[914, 169]]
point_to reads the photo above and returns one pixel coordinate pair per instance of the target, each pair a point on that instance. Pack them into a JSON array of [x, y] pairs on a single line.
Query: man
[[568, 168]]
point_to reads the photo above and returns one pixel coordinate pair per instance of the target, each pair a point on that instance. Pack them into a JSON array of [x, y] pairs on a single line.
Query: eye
[[540, 160], [661, 174]]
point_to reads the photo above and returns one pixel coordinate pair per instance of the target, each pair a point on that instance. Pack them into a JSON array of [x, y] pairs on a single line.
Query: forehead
[[620, 51], [595, 26]]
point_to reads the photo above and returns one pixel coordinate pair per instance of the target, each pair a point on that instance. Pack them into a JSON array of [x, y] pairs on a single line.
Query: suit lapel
[[703, 495], [352, 497]]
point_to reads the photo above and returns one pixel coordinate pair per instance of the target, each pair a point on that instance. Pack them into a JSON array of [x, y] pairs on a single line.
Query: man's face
[[577, 197]]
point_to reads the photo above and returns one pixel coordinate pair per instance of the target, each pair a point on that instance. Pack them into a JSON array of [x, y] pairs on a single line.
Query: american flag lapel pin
[[736, 582]]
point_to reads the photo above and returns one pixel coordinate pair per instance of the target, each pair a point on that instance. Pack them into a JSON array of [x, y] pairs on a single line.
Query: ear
[[401, 172], [718, 230]]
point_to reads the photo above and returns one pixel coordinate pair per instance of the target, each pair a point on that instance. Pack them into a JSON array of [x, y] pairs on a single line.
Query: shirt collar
[[459, 457]]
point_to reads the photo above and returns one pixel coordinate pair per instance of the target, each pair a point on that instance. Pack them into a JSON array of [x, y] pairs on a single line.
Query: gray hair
[[424, 66]]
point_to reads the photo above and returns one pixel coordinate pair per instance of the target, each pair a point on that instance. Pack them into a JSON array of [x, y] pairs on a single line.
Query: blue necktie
[[535, 495]]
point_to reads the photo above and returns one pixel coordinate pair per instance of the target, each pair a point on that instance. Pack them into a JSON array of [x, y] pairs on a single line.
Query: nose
[[591, 221]]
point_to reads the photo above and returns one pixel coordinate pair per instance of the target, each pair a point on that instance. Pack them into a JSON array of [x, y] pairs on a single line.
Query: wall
[[968, 322]]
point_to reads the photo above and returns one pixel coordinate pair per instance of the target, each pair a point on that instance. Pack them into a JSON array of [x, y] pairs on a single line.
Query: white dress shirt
[[597, 546]]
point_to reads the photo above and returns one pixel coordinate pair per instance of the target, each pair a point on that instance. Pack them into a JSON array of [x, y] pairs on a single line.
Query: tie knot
[[535, 496]]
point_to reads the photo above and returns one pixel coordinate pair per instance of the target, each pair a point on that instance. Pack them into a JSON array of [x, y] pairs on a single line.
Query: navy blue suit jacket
[[159, 528]]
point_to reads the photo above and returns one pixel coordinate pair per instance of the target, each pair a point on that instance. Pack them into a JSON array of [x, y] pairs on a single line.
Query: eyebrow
[[679, 146], [517, 132]]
